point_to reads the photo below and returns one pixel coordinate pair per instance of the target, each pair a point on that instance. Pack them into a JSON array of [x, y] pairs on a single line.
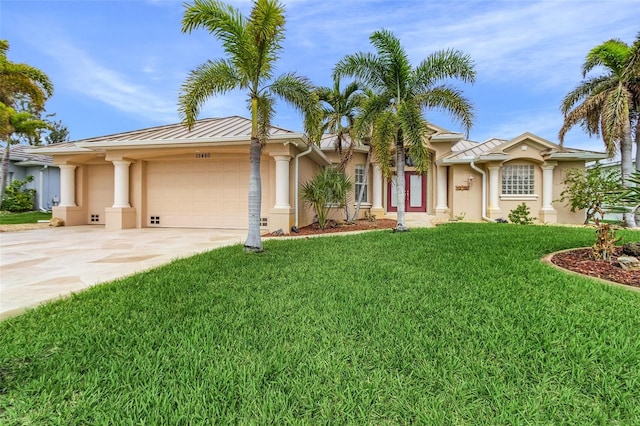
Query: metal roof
[[206, 128]]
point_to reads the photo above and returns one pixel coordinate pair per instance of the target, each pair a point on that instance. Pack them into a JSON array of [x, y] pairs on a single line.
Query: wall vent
[[264, 222], [94, 218], [154, 220]]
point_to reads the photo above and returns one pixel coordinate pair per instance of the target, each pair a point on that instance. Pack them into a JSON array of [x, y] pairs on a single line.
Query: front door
[[415, 186]]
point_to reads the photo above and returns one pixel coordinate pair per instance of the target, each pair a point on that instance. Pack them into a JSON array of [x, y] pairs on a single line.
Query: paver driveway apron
[[43, 264]]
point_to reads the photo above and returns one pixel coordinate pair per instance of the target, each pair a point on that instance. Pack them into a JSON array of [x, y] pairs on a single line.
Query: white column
[[441, 188], [494, 187], [282, 181], [376, 202], [121, 183], [67, 185], [547, 186]]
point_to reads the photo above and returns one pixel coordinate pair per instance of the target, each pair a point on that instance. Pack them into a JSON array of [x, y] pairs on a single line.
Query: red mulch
[[581, 261], [360, 225]]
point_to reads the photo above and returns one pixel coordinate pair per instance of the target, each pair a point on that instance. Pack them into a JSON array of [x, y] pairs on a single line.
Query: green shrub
[[17, 198], [520, 215], [328, 188]]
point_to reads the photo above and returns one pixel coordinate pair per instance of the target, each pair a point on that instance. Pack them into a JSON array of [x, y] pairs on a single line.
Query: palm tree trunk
[[4, 172], [626, 149], [638, 144], [254, 242], [401, 196], [365, 179]]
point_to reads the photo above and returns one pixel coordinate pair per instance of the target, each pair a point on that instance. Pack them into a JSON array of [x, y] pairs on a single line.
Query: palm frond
[[443, 65], [450, 100], [611, 54], [211, 78], [414, 132], [588, 111]]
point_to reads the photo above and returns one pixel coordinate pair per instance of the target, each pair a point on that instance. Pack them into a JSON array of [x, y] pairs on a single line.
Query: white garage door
[[201, 194]]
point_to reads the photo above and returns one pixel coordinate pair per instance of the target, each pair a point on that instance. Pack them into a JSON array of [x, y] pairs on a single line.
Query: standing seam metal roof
[[210, 128]]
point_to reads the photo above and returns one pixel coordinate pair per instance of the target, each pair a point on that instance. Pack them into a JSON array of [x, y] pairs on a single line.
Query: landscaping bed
[[582, 262]]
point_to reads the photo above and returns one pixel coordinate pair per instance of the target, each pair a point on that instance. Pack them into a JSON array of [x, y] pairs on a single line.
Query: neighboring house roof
[[498, 150], [20, 157]]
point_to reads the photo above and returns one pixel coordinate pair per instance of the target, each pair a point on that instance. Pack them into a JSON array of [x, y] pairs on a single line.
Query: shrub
[[520, 215], [590, 190], [18, 199], [328, 188]]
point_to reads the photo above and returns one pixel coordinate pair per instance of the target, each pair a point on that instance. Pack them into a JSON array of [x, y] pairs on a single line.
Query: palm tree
[[608, 104], [252, 46], [19, 83], [339, 109], [402, 92]]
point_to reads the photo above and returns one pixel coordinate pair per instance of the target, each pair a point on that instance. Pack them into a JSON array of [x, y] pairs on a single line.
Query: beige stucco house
[[168, 176]]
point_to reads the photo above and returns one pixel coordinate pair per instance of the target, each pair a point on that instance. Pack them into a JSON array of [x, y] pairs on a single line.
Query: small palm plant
[[329, 188], [630, 197]]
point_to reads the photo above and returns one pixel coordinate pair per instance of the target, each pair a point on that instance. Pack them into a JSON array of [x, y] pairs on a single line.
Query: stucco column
[[547, 186], [376, 201], [67, 185], [547, 213], [441, 189], [121, 183], [494, 187], [282, 181]]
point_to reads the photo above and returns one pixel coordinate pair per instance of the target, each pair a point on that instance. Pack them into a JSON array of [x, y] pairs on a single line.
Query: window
[[517, 180], [360, 182]]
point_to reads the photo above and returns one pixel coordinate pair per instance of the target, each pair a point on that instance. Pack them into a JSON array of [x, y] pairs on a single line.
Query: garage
[[209, 193]]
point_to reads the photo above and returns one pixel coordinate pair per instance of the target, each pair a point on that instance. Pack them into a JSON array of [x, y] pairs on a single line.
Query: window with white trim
[[518, 179], [359, 183]]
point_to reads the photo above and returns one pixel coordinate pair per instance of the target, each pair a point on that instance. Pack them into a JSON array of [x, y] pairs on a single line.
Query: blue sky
[[117, 65]]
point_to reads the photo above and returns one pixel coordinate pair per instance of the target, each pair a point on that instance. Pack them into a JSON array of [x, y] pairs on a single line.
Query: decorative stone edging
[[547, 259]]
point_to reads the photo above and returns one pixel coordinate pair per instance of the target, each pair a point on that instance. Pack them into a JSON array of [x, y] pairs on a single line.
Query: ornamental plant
[[591, 190], [327, 189], [17, 198], [520, 215]]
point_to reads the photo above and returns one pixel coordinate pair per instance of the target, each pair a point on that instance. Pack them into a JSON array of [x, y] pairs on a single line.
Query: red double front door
[[415, 186]]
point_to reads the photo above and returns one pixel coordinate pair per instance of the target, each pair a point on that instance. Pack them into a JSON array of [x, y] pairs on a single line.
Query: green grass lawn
[[7, 218], [459, 324]]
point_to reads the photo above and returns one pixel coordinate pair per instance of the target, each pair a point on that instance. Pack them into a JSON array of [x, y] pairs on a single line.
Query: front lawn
[[459, 324], [7, 218]]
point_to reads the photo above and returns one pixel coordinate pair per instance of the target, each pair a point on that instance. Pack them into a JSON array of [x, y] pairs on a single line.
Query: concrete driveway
[[44, 264]]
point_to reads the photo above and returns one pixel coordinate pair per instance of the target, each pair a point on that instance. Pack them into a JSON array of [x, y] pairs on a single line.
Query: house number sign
[[203, 155]]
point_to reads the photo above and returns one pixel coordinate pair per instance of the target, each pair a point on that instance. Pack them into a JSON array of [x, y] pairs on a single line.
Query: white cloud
[[84, 75]]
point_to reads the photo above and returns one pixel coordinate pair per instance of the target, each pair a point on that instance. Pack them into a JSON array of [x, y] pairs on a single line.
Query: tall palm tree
[[608, 104], [19, 83], [339, 109], [252, 45], [401, 94]]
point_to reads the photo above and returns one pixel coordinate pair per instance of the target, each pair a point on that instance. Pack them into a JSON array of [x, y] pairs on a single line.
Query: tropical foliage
[[402, 92], [251, 46], [23, 93], [339, 111], [329, 188], [608, 104], [591, 190], [17, 198]]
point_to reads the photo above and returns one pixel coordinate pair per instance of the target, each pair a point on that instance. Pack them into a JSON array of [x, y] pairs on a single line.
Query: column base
[[378, 212], [494, 213], [548, 216], [281, 218], [117, 218], [72, 216]]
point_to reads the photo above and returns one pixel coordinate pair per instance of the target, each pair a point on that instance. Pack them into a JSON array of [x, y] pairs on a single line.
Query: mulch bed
[[581, 261], [360, 225]]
